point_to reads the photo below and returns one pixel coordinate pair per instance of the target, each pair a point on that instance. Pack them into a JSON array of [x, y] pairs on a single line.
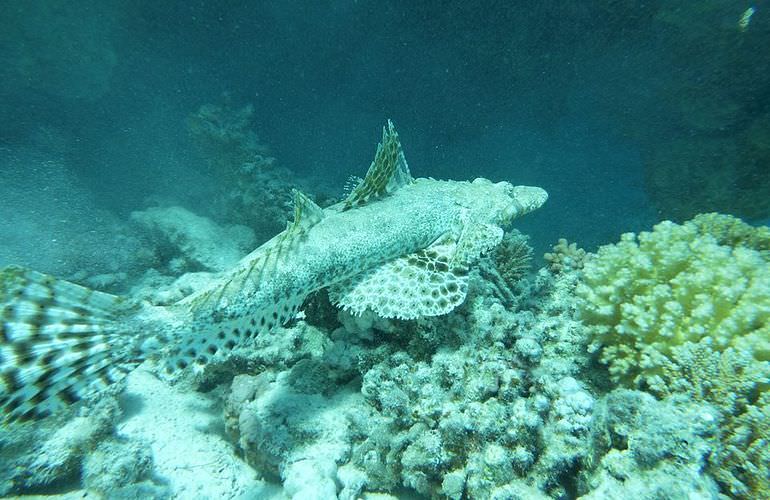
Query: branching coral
[[565, 257], [680, 309], [732, 231], [648, 294]]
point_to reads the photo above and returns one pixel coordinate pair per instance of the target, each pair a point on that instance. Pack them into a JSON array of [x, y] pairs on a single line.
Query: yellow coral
[[732, 231], [686, 309], [648, 294]]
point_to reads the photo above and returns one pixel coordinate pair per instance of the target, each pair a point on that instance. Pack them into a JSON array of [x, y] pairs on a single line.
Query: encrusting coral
[[686, 309], [481, 403]]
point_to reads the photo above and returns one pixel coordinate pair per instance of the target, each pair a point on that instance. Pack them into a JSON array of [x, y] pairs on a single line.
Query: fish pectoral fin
[[388, 172], [420, 284], [476, 239]]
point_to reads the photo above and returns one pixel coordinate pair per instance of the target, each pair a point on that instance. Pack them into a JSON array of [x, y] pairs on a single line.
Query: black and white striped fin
[[59, 342]]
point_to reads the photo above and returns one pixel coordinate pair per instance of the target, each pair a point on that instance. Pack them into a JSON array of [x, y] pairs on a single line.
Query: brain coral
[[686, 309]]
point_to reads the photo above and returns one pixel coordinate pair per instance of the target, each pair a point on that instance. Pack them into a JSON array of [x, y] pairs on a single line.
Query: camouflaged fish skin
[[400, 246]]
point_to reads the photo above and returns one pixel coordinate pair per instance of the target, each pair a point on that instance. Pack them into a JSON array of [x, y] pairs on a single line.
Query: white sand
[[197, 461]]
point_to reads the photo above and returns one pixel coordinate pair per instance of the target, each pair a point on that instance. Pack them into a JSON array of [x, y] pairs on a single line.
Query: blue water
[[627, 113]]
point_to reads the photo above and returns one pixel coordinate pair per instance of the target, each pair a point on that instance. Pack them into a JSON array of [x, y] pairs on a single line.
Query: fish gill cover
[[166, 333]]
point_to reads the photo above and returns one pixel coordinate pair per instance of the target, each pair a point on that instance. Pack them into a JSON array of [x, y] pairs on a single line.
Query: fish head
[[500, 203]]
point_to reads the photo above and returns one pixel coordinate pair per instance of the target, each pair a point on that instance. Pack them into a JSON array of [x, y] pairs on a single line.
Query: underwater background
[[145, 146]]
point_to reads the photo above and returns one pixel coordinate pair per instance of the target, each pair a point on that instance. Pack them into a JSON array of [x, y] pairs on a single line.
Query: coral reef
[[565, 257], [495, 400], [122, 470], [673, 311], [293, 431], [645, 448], [498, 409], [490, 401], [51, 456], [647, 295], [732, 231], [253, 190]]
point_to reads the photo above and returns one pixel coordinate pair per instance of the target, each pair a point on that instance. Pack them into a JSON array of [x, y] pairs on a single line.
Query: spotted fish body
[[397, 245]]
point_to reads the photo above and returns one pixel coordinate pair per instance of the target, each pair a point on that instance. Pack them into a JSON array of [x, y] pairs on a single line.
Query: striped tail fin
[[59, 342]]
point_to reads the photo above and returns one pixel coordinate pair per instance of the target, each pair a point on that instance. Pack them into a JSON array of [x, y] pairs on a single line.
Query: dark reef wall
[[707, 146]]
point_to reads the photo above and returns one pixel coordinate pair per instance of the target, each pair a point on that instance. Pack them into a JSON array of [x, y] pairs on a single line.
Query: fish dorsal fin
[[306, 213], [419, 284], [387, 172], [351, 184], [265, 260]]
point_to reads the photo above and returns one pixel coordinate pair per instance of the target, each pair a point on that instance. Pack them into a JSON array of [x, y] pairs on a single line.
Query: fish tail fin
[[59, 342]]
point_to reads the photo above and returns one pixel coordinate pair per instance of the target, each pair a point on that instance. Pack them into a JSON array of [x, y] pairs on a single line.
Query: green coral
[[686, 309]]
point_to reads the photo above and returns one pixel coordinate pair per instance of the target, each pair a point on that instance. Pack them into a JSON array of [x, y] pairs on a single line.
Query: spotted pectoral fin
[[388, 171], [416, 285]]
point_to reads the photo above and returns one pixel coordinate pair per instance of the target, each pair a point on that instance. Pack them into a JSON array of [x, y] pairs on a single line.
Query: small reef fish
[[397, 245]]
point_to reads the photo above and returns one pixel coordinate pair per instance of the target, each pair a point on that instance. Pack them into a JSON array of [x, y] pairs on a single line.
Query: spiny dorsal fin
[[306, 212], [387, 172]]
